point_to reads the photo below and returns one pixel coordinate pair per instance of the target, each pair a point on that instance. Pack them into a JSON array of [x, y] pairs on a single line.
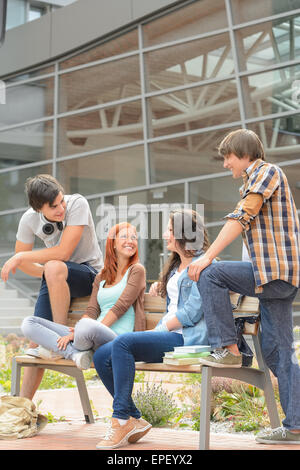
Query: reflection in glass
[[27, 102], [12, 185], [126, 43], [145, 211], [219, 196], [27, 144], [293, 175], [110, 81], [104, 172], [8, 229], [190, 62], [265, 44], [280, 137], [271, 92], [233, 252], [194, 108], [248, 11], [197, 18], [106, 127], [185, 157]]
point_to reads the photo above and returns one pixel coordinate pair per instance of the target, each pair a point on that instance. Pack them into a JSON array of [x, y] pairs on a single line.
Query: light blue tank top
[[107, 297]]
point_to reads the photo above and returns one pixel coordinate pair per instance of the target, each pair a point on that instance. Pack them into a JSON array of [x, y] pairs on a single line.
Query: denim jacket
[[189, 310]]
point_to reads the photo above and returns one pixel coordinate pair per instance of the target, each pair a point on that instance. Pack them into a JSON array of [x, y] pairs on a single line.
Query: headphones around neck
[[48, 228]]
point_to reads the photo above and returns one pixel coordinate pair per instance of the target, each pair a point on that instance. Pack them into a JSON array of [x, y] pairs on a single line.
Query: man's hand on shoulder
[[197, 267]]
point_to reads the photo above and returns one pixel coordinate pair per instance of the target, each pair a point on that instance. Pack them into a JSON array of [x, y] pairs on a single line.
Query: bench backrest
[[156, 306]]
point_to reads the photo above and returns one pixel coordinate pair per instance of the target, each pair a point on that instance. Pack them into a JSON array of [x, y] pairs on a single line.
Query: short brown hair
[[42, 189], [242, 143]]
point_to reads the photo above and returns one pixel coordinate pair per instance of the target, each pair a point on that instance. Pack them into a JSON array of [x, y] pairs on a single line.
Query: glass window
[[30, 74], [185, 157], [270, 92], [190, 62], [219, 196], [197, 18], [126, 43], [27, 102], [104, 172], [12, 184], [8, 229], [147, 211], [194, 108], [249, 11], [16, 13], [106, 127], [265, 44], [293, 175], [280, 137], [27, 144], [90, 86], [232, 252], [35, 13]]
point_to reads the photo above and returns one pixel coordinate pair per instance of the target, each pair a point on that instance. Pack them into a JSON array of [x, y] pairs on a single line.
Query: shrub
[[155, 404]]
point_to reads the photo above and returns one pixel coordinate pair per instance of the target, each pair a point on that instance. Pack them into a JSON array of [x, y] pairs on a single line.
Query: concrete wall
[[69, 28]]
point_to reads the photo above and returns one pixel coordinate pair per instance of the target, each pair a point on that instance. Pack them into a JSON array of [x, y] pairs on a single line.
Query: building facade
[[135, 109]]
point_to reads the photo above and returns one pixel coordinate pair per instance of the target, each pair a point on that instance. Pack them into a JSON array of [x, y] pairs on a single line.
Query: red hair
[[110, 268]]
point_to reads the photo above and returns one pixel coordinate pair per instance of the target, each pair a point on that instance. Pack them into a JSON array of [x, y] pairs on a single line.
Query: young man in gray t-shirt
[[68, 263]]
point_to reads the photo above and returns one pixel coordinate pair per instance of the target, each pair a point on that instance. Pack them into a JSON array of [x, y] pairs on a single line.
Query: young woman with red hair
[[115, 306]]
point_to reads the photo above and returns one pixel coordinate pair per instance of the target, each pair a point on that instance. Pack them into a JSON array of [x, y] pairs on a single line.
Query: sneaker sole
[[139, 434], [265, 441], [219, 365], [124, 441]]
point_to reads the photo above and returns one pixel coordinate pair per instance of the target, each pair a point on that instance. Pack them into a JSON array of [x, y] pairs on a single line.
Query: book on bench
[[184, 360], [195, 348], [177, 358]]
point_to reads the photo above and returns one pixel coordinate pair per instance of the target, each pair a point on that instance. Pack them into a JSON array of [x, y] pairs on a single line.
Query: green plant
[[155, 404], [245, 408]]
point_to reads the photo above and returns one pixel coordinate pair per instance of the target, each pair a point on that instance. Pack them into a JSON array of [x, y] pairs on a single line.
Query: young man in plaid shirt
[[267, 218]]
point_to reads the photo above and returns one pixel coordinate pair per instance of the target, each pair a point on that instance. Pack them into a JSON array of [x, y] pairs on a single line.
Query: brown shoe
[[116, 435], [141, 428]]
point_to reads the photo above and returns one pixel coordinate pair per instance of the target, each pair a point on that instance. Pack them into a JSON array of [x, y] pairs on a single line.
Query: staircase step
[[6, 330], [11, 321], [13, 302], [16, 312], [8, 293]]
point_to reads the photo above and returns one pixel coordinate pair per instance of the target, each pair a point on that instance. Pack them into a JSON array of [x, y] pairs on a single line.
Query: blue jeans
[[214, 285], [115, 364], [80, 281]]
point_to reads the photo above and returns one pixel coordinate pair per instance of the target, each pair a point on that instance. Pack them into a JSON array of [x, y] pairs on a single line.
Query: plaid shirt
[[271, 235]]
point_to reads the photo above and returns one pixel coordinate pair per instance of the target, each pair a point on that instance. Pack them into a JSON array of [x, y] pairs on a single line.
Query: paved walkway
[[75, 434]]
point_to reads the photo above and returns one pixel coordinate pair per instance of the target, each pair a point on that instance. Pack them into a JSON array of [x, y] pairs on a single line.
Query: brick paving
[[75, 434]]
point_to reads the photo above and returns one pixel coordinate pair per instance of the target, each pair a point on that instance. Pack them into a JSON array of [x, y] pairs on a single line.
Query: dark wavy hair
[[191, 237]]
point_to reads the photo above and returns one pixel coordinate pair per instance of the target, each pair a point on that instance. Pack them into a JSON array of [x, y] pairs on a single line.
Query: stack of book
[[185, 355]]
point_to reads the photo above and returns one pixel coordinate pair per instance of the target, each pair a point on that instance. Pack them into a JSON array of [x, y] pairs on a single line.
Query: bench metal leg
[[205, 408], [84, 398], [268, 386], [15, 378]]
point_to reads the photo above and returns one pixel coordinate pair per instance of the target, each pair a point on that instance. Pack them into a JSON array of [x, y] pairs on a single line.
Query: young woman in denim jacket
[[182, 323]]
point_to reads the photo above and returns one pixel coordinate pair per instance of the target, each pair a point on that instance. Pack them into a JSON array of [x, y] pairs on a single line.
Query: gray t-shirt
[[78, 213]]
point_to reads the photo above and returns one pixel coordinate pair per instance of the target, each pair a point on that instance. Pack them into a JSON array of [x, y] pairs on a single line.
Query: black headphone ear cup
[[48, 229]]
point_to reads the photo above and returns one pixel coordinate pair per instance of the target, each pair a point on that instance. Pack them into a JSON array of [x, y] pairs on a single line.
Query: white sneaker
[[83, 359], [48, 354], [33, 352]]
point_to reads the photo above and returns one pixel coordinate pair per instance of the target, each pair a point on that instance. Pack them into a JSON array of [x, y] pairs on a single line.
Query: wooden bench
[[154, 308]]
